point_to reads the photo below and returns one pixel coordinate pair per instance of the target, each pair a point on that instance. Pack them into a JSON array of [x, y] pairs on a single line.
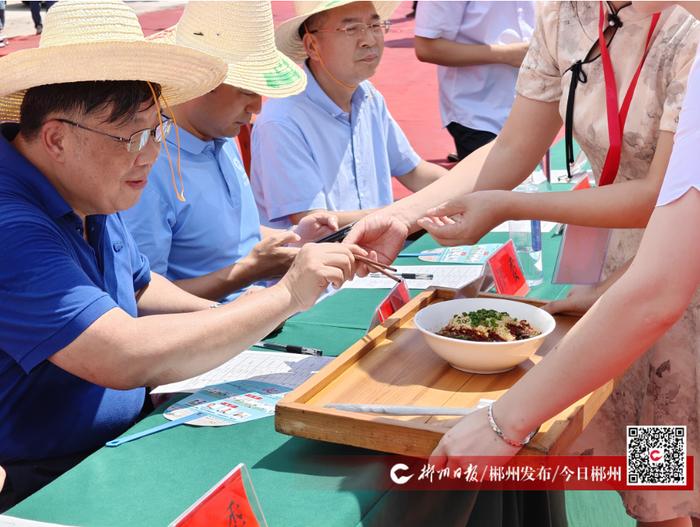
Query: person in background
[[334, 146], [3, 40], [412, 12], [35, 8], [478, 47], [177, 236]]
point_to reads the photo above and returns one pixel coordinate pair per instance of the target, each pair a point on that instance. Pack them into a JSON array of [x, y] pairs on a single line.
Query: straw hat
[[287, 33], [103, 40], [242, 34]]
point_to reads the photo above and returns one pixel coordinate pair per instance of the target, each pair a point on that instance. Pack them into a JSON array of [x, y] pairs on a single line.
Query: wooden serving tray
[[393, 365]]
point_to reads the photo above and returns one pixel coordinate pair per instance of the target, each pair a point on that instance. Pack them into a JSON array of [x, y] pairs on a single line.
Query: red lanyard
[[616, 119]]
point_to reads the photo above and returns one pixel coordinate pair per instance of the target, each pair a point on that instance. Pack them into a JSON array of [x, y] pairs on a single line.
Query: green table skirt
[[151, 481]]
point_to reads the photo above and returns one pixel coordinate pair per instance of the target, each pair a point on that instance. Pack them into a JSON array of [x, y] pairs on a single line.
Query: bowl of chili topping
[[484, 335]]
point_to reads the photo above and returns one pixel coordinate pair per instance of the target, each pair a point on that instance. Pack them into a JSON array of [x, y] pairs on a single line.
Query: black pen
[[290, 349], [408, 276]]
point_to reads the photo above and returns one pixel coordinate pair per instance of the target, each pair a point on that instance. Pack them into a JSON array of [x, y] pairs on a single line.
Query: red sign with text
[[396, 299], [507, 273], [225, 505]]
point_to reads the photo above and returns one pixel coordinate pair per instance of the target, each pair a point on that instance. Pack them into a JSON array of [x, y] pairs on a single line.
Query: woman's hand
[[470, 437], [470, 217], [582, 297], [579, 300]]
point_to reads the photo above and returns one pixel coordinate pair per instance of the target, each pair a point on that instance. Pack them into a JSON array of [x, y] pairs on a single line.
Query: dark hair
[[313, 22], [122, 98]]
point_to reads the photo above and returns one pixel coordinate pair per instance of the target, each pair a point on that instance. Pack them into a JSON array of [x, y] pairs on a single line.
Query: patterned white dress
[[662, 386]]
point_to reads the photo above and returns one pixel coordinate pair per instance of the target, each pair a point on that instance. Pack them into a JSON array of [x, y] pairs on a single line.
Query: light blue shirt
[[217, 224], [481, 96], [307, 153]]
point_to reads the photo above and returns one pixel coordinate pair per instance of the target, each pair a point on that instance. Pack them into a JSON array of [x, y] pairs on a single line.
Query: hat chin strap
[[179, 193], [345, 85], [352, 87]]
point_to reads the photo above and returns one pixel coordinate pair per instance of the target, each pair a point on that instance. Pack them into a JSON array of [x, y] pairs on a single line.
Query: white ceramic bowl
[[482, 357]]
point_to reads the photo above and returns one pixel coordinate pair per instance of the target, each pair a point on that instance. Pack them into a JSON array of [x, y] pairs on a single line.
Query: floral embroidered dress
[[662, 386]]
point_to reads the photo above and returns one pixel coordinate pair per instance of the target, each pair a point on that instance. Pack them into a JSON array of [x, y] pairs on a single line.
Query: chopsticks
[[374, 263], [400, 409], [380, 267], [407, 410]]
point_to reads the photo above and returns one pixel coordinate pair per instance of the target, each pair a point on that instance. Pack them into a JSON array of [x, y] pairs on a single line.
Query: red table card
[[225, 505], [396, 298], [583, 184], [506, 271]]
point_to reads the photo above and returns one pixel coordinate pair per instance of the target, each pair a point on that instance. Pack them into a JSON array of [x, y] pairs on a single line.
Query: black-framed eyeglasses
[[136, 141], [357, 29]]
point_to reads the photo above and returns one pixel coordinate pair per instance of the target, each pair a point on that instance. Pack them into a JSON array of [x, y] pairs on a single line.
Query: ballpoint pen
[[408, 276], [422, 253], [290, 349]]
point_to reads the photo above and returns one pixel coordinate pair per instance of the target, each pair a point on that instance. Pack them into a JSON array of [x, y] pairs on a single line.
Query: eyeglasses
[[357, 29], [136, 141]]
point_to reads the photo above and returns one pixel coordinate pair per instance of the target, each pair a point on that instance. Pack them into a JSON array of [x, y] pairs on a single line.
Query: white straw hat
[[103, 41], [242, 34], [287, 33]]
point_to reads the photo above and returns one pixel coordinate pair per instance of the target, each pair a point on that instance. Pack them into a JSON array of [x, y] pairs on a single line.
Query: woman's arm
[[423, 175], [653, 294], [626, 204], [504, 163], [623, 205]]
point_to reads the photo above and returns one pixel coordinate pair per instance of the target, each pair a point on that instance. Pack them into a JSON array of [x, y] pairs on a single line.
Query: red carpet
[[409, 86]]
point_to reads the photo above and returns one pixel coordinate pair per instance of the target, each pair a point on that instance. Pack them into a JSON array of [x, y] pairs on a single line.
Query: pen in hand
[[290, 349]]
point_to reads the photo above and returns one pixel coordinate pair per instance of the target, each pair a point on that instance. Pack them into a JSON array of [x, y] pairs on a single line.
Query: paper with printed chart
[[285, 369], [228, 404]]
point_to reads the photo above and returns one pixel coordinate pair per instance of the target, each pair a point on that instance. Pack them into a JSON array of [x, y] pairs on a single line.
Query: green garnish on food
[[488, 325]]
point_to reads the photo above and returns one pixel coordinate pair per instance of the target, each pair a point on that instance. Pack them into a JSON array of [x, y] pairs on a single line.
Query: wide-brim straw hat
[[287, 33], [242, 34], [103, 41]]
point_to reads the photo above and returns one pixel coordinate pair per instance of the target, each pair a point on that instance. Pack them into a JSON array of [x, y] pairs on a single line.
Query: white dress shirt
[[478, 97]]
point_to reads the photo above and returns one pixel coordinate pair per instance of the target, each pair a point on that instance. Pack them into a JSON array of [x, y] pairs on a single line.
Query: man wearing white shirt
[[478, 47]]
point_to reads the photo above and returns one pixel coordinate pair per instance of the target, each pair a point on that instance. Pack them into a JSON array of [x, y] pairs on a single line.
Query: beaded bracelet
[[497, 430]]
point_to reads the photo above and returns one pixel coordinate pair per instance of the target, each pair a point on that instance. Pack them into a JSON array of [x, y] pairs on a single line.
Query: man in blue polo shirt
[[84, 324], [335, 146], [179, 237]]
